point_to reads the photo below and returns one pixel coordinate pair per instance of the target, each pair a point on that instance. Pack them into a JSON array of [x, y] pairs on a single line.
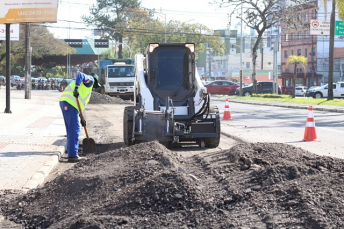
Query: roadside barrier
[[310, 132], [227, 113]]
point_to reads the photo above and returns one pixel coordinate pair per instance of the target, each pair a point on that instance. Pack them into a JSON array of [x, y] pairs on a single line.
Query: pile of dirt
[[97, 98], [258, 185]]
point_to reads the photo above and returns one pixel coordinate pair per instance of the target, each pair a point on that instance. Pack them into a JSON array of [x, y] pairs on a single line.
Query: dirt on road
[[250, 185]]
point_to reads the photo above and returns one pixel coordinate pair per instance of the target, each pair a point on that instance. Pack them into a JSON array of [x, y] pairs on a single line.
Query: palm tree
[[297, 60]]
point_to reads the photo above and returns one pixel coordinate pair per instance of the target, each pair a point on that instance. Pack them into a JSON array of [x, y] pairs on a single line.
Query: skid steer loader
[[171, 105]]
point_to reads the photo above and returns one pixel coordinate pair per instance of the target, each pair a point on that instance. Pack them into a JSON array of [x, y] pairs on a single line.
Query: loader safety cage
[[171, 104]]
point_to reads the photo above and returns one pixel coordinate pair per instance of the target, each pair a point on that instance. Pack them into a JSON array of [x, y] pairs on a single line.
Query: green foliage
[[112, 17], [297, 60], [266, 95], [289, 99], [340, 8], [177, 32], [123, 19], [42, 42], [107, 54]]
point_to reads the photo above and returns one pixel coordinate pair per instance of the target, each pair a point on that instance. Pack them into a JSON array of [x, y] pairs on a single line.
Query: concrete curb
[[39, 177]]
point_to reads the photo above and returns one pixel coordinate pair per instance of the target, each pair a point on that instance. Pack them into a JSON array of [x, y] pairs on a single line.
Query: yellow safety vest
[[84, 95]]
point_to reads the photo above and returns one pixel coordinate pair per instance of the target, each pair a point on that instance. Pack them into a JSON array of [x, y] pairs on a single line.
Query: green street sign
[[339, 28]]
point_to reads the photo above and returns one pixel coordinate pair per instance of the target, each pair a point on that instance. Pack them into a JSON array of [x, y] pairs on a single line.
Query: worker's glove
[[83, 123], [75, 92]]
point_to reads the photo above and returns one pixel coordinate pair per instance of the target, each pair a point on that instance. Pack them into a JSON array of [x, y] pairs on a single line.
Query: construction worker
[[80, 88]]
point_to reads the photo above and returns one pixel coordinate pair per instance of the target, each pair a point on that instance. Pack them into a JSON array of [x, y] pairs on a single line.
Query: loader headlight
[[152, 47], [191, 47]]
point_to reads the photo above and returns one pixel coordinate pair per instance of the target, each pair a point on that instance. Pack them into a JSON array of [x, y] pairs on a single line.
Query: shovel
[[88, 144]]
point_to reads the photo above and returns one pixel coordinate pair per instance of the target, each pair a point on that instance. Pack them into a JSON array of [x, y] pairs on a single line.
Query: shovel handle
[[81, 116]]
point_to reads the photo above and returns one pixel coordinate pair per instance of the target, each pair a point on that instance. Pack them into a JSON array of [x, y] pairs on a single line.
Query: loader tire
[[214, 142], [128, 125]]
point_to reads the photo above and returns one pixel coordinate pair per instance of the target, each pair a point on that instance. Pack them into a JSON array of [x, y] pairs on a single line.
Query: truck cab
[[119, 80]]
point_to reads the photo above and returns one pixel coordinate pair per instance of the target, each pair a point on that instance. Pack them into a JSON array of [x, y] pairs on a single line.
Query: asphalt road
[[257, 123]]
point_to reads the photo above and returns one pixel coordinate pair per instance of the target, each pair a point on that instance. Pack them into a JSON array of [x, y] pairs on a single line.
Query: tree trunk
[[120, 54], [331, 47], [254, 59], [294, 81]]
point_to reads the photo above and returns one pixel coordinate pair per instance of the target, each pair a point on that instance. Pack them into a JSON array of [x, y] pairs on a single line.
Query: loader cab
[[170, 70]]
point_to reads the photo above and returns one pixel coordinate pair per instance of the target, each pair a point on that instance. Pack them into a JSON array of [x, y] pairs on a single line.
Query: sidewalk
[[32, 138]]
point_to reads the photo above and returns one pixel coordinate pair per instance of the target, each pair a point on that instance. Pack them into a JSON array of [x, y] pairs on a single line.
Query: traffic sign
[[320, 27], [339, 28], [14, 32]]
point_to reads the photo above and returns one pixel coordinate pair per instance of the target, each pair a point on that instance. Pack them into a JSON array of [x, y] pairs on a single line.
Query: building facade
[[298, 42], [322, 55]]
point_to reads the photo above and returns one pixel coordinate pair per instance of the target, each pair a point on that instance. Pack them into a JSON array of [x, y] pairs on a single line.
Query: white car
[[300, 91], [322, 92]]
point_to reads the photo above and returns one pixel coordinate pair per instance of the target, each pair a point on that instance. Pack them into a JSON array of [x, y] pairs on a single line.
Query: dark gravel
[[261, 185]]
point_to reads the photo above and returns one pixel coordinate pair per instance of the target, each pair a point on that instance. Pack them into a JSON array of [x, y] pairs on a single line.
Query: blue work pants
[[72, 123]]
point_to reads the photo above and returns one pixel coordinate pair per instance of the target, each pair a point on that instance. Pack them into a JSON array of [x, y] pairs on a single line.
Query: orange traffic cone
[[310, 133], [227, 113]]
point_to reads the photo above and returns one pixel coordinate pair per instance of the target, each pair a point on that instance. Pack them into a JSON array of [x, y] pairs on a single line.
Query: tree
[[261, 15], [43, 43], [296, 60], [153, 31], [112, 16], [340, 7]]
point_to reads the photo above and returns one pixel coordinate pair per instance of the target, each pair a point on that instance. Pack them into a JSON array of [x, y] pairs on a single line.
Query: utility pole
[[241, 50], [8, 68], [331, 48], [312, 53], [27, 63], [209, 66]]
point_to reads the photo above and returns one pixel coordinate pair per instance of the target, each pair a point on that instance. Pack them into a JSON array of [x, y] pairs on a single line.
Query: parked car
[[263, 87], [222, 87], [300, 91], [206, 82], [288, 90], [311, 88], [14, 79], [322, 92]]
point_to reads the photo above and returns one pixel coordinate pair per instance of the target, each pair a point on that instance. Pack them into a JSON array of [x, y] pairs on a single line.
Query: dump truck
[[171, 105], [117, 78]]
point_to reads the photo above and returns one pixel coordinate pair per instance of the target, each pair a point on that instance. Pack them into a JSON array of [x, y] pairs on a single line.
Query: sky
[[189, 11]]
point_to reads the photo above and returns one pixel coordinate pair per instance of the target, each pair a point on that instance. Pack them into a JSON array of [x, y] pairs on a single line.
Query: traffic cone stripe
[[227, 113], [310, 133], [310, 124]]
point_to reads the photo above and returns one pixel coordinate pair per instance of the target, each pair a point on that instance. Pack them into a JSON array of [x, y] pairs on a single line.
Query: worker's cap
[[96, 78]]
